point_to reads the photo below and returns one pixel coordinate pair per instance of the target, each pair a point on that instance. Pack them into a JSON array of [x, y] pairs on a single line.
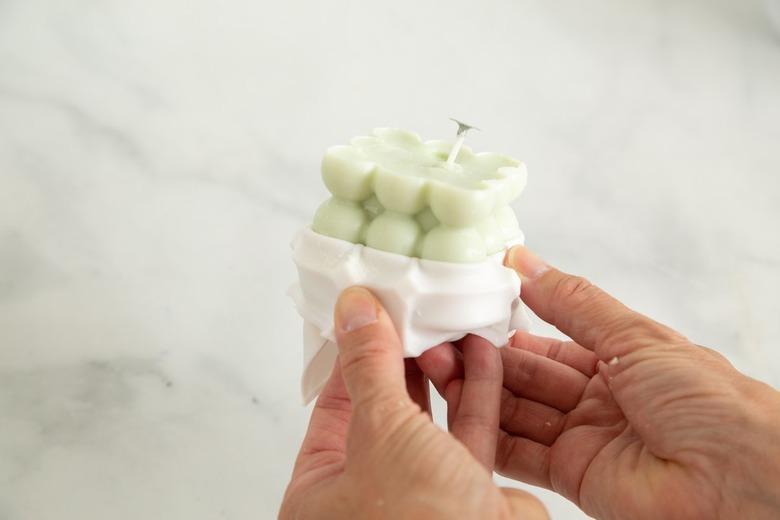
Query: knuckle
[[505, 453], [510, 404], [377, 397], [475, 421], [714, 354], [667, 333], [574, 289], [336, 405], [361, 353], [365, 334], [508, 408], [632, 331], [524, 366], [556, 351], [626, 329]]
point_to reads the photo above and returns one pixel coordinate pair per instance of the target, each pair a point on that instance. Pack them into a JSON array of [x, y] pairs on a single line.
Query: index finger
[[582, 311]]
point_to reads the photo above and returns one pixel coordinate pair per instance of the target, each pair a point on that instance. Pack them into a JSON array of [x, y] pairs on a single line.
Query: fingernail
[[527, 264], [355, 309]]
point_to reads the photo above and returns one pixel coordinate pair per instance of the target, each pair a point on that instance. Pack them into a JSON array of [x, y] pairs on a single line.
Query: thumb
[[582, 311], [524, 505], [369, 350]]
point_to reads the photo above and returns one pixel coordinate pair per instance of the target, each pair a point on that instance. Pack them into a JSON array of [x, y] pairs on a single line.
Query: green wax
[[394, 192]]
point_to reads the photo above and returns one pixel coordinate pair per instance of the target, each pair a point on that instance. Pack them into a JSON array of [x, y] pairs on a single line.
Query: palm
[[561, 428]]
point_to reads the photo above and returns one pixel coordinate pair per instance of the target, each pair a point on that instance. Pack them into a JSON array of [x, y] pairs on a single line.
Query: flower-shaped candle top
[[394, 192]]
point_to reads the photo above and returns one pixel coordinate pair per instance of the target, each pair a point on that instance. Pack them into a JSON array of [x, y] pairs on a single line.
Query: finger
[[541, 379], [325, 438], [417, 385], [476, 417], [566, 352], [582, 311], [452, 395], [523, 459], [442, 365], [530, 419], [524, 505], [370, 351]]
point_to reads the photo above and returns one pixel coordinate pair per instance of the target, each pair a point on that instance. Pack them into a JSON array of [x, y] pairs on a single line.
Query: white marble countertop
[[157, 156]]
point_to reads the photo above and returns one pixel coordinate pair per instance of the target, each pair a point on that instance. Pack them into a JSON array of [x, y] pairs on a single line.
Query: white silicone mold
[[430, 302]]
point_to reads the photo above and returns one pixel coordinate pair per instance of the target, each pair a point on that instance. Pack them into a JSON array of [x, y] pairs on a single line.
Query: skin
[[371, 450], [628, 420]]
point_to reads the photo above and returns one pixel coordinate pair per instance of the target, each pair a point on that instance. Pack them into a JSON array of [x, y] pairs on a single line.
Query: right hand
[[631, 420]]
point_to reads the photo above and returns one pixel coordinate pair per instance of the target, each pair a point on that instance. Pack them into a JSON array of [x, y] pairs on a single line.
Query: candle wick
[[456, 149], [463, 128]]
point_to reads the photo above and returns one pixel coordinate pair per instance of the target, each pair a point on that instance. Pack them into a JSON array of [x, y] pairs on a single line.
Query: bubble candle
[[424, 225]]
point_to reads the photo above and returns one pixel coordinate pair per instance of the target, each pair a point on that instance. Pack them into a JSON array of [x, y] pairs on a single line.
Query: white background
[[157, 156]]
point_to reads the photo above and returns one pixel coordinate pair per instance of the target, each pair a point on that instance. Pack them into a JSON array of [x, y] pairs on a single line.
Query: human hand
[[371, 450], [632, 420]]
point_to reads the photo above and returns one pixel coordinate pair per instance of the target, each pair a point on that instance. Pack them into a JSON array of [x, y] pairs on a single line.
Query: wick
[[462, 129]]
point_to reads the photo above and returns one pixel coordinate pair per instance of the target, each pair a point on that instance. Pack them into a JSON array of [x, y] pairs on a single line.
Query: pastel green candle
[[394, 192], [394, 232], [339, 218]]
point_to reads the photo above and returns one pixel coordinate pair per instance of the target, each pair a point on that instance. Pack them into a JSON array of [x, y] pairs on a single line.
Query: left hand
[[372, 451]]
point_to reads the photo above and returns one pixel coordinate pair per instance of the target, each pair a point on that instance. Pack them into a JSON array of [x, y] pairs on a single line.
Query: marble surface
[[157, 156]]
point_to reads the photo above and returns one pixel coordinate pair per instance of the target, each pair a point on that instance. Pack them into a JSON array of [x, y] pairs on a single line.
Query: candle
[[424, 226], [434, 200]]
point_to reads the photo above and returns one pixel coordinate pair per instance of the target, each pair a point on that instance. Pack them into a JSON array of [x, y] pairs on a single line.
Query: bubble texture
[[394, 192], [420, 235]]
